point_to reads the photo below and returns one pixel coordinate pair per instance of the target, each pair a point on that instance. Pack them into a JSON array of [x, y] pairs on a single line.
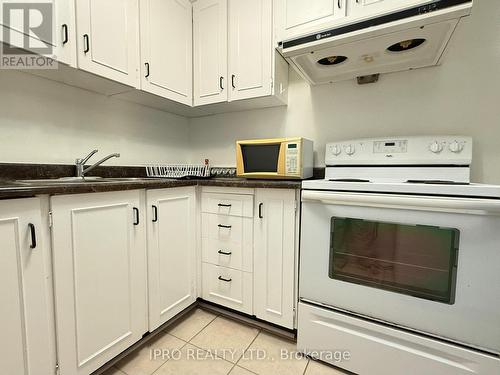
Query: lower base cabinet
[[171, 252], [123, 263], [275, 256], [27, 346], [254, 274], [99, 251]]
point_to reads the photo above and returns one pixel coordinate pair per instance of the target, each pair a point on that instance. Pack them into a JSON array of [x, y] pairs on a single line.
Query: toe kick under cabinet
[[249, 251]]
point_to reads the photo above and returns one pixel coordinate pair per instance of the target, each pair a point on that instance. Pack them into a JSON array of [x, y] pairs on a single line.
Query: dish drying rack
[[178, 171]]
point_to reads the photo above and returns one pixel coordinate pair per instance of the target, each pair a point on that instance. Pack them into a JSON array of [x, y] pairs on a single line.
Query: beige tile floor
[[207, 344]]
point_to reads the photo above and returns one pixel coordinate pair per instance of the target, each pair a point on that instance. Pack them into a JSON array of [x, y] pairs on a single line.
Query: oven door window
[[261, 158], [417, 260]]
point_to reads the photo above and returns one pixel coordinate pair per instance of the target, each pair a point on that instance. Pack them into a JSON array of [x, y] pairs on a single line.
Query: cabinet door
[[210, 51], [108, 38], [274, 256], [298, 17], [65, 32], [171, 252], [62, 38], [26, 315], [373, 8], [250, 49], [166, 49], [99, 251]]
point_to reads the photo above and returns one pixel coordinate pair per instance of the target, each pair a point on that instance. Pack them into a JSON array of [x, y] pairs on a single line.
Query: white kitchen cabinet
[[26, 310], [250, 49], [298, 17], [275, 256], [63, 38], [171, 252], [166, 49], [210, 51], [65, 32], [227, 247], [99, 251], [373, 8], [108, 39]]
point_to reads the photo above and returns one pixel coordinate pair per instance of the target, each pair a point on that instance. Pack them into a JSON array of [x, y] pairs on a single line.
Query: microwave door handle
[[419, 203]]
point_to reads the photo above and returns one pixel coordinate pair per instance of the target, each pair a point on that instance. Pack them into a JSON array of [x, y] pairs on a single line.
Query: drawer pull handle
[[224, 205], [225, 226], [260, 210], [226, 280], [224, 252]]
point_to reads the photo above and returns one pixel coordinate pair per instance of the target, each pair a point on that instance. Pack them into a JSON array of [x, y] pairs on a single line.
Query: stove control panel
[[425, 150]]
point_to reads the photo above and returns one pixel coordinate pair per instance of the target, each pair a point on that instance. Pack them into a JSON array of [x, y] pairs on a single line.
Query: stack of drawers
[[227, 248]]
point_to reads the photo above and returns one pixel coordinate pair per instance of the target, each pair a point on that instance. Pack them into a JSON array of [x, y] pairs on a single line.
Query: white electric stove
[[399, 261]]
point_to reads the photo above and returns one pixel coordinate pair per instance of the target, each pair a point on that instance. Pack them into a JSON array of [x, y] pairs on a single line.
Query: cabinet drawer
[[227, 228], [379, 350], [227, 287], [230, 254], [227, 204]]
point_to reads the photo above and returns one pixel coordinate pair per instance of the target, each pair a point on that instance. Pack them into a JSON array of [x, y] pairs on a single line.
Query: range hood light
[[332, 60], [406, 45]]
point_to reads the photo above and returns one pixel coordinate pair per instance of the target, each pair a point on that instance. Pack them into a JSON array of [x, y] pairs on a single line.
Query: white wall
[[48, 122], [460, 97]]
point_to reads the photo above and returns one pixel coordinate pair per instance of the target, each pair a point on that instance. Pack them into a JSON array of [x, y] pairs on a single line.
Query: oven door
[[429, 264]]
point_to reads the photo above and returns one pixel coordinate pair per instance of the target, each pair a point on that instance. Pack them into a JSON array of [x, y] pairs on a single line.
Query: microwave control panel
[[292, 153]]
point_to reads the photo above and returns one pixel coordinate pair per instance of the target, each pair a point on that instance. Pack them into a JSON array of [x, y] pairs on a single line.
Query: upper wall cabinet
[[166, 49], [108, 38], [363, 8], [65, 32], [62, 40], [210, 51], [295, 17], [250, 48]]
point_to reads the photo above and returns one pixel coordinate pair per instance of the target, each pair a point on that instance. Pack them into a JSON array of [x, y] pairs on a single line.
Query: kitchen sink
[[60, 181], [80, 180]]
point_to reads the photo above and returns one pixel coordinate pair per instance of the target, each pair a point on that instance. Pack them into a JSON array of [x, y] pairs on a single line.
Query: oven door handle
[[421, 203]]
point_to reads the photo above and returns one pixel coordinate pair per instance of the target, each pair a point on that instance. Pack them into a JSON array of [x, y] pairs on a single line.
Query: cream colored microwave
[[280, 158]]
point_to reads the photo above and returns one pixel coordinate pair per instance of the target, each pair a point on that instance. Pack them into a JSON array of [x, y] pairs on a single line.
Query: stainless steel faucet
[[81, 171]]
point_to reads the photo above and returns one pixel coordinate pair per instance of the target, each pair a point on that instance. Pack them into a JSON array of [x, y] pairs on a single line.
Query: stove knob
[[456, 147], [436, 147], [350, 150], [336, 150]]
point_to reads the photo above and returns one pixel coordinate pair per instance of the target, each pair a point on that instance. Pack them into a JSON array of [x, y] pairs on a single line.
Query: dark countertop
[[9, 189]]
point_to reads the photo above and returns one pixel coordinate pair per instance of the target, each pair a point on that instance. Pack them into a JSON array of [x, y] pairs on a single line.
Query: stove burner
[[436, 182]]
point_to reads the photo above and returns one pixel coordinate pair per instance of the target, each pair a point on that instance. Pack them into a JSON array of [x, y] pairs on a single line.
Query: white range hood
[[407, 39]]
